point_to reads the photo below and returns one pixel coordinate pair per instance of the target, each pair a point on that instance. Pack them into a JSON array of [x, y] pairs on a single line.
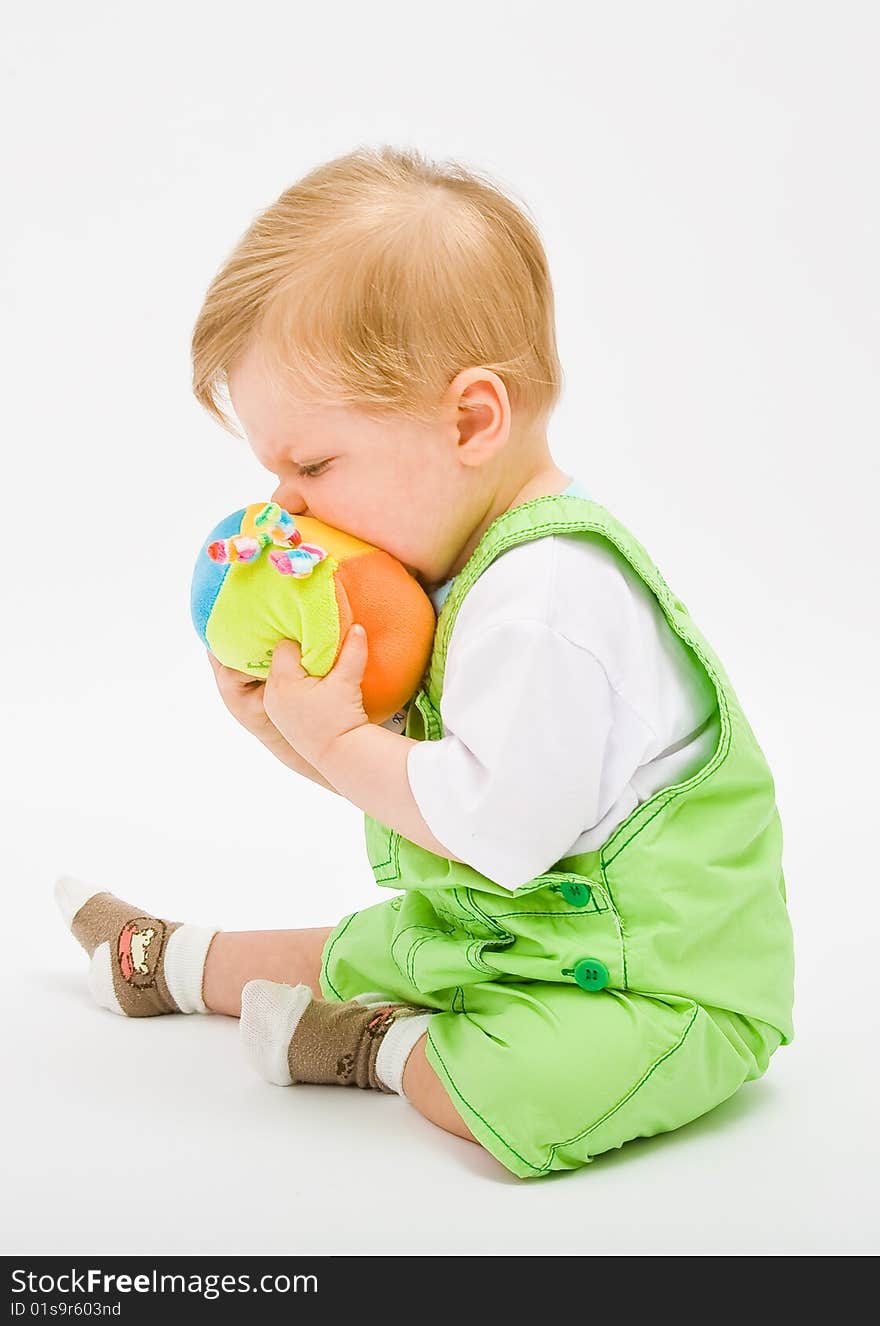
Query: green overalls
[[627, 990]]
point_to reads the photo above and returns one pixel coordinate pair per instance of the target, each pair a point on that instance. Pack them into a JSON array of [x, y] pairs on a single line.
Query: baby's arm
[[283, 751], [368, 766]]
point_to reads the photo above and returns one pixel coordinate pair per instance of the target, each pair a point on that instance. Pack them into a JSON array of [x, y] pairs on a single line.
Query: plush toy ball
[[263, 575]]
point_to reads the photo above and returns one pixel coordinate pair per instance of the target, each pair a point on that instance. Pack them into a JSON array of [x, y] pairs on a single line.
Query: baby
[[587, 939]]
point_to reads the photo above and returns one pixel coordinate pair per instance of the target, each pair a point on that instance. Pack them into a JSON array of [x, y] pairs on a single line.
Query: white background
[[704, 178]]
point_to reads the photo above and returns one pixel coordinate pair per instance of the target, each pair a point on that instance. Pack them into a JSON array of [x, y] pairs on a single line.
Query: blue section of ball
[[208, 576]]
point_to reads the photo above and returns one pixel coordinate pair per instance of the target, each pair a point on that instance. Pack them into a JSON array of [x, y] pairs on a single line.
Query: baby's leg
[[292, 957], [292, 1037], [424, 1090], [280, 959], [143, 965]]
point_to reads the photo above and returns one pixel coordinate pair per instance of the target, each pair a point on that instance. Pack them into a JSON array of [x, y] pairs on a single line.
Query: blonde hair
[[377, 278]]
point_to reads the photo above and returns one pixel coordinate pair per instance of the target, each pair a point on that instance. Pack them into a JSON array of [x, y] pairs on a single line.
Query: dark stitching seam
[[632, 1092], [514, 538], [573, 915], [488, 1125], [432, 932], [380, 865], [679, 789], [486, 917], [337, 936], [411, 956], [477, 961]]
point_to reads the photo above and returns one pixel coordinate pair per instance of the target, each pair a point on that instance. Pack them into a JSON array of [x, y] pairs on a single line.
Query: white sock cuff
[[395, 1049], [184, 966], [270, 1014]]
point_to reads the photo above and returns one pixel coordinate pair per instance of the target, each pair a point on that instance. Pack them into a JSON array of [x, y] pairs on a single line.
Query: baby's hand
[[314, 713], [243, 696]]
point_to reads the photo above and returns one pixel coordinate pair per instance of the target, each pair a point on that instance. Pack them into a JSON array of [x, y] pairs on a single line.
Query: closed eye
[[312, 471]]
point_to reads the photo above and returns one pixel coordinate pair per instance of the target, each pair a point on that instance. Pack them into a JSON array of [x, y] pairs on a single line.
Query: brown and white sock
[[140, 965], [291, 1037]]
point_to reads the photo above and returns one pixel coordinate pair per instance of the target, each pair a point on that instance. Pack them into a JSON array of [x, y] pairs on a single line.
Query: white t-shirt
[[567, 701]]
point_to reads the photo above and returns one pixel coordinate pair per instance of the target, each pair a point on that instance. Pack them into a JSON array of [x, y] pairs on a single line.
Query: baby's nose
[[290, 502]]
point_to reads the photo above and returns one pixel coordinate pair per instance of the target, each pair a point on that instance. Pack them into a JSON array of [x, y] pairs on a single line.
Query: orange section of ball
[[377, 591]]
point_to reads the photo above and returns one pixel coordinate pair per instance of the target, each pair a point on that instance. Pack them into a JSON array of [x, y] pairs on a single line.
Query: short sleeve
[[517, 776]]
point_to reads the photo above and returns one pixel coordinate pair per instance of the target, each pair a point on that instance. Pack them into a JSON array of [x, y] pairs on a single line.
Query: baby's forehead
[[274, 411], [262, 391]]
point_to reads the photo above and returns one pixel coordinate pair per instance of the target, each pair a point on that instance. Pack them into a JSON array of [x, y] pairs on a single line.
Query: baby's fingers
[[231, 677]]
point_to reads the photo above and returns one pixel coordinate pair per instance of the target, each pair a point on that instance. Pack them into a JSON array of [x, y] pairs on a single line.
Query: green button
[[591, 974], [576, 893]]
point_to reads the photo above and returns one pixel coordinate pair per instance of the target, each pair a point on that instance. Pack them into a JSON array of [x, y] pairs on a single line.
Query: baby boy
[[587, 939]]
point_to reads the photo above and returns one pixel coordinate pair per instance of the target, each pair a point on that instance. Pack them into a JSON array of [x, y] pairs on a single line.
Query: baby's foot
[[140, 965], [291, 1037]]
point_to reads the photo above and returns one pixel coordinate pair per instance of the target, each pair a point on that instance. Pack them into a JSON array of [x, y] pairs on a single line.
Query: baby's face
[[394, 483]]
